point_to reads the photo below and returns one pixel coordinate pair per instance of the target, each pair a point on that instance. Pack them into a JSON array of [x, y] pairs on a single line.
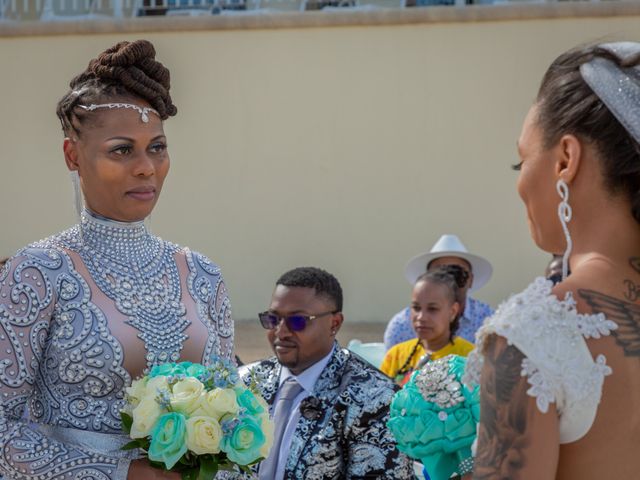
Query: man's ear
[[336, 322], [70, 149], [569, 157]]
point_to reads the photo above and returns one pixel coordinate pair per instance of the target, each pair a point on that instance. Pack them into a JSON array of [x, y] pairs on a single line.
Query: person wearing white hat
[[448, 250]]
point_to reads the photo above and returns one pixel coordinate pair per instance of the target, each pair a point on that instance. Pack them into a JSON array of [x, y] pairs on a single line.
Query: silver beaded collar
[[113, 238], [138, 272]]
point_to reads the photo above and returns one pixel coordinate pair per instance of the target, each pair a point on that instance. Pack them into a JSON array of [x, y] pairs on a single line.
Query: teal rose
[[246, 399], [165, 369], [196, 370], [244, 442], [168, 439], [459, 430], [182, 368], [407, 404]]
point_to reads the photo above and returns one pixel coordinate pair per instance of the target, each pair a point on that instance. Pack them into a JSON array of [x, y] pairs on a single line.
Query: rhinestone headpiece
[[144, 111], [618, 88]]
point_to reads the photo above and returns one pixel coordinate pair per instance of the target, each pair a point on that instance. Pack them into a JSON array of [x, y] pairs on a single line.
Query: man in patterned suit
[[330, 407]]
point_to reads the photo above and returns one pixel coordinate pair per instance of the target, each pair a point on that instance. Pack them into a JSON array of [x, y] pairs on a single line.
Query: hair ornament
[[617, 87], [143, 111], [79, 92]]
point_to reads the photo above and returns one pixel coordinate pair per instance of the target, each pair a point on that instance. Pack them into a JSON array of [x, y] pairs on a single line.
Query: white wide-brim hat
[[450, 246]]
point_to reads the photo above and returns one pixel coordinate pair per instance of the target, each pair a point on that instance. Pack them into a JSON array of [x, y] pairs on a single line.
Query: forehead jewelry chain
[[143, 111]]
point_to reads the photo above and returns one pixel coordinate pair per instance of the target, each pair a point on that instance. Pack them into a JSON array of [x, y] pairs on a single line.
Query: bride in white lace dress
[[559, 367]]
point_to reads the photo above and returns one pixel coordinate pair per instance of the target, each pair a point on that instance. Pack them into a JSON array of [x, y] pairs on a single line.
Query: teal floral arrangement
[[434, 418], [197, 420]]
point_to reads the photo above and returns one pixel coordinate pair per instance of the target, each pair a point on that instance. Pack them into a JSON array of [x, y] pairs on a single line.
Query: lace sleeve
[[207, 287], [29, 286], [558, 365]]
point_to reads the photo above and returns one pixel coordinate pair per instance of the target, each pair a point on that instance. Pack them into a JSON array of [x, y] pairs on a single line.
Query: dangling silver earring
[[77, 193], [565, 213]]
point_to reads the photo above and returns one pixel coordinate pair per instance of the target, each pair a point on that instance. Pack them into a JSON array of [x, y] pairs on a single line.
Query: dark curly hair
[[128, 70], [567, 105], [325, 284]]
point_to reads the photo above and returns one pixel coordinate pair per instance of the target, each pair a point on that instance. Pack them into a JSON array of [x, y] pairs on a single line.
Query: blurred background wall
[[348, 148]]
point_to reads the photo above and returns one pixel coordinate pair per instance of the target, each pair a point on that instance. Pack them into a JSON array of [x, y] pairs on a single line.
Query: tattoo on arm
[[502, 435], [625, 314]]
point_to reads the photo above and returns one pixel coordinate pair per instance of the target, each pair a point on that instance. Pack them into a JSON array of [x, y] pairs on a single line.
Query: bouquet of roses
[[197, 419]]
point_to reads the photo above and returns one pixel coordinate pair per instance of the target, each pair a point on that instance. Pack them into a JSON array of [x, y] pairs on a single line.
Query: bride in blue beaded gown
[[84, 312]]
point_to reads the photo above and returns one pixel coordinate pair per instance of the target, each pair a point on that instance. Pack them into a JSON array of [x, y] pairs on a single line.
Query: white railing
[[52, 10]]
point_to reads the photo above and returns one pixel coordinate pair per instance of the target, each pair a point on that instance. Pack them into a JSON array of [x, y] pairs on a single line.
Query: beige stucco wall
[[350, 148]]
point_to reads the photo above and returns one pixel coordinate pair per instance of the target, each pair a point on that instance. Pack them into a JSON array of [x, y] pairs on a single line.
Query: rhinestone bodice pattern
[[60, 358], [135, 270]]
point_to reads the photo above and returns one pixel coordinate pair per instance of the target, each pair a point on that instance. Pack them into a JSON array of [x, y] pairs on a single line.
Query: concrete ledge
[[287, 20]]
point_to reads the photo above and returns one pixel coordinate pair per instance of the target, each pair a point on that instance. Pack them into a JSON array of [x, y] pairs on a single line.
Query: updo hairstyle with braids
[[567, 105], [454, 278], [128, 70]]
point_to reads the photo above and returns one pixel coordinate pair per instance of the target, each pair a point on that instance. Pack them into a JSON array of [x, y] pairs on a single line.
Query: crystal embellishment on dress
[[138, 272], [143, 111]]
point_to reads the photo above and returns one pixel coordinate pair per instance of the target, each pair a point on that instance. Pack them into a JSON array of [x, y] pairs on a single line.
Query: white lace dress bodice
[[559, 367]]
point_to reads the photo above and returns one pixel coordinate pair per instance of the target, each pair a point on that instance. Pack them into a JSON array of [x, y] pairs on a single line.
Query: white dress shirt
[[307, 380]]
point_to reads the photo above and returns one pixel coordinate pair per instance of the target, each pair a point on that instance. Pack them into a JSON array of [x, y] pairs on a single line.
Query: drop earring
[[77, 193], [564, 214]]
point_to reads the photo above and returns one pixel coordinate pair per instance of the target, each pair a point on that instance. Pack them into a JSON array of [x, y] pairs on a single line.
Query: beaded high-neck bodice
[[71, 307], [138, 272]]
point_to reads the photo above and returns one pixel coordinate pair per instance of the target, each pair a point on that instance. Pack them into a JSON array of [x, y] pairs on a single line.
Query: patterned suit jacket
[[342, 432]]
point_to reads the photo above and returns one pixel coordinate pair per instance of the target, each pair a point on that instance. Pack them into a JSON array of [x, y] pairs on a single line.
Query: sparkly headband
[[143, 111], [618, 88]]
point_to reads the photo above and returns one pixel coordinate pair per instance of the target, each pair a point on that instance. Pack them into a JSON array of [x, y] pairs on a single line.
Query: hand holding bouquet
[[197, 419]]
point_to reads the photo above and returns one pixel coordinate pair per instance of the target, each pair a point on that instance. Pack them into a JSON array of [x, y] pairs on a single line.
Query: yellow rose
[[145, 416], [186, 395], [203, 435], [217, 403], [267, 428]]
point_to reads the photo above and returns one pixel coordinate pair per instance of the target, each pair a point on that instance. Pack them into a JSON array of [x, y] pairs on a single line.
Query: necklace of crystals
[[138, 272]]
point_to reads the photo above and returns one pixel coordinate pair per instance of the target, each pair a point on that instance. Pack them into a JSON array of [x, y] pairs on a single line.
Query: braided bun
[[129, 70]]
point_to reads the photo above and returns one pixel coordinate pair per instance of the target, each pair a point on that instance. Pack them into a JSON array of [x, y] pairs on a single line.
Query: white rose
[[157, 384], [145, 416], [186, 394], [203, 435], [136, 391], [218, 402]]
